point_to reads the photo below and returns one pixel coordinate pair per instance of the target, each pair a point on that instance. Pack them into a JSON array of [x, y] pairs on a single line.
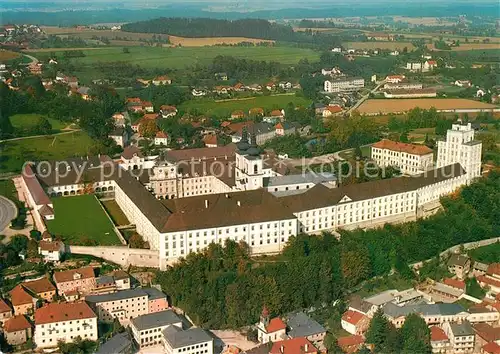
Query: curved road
[[8, 211], [33, 59]]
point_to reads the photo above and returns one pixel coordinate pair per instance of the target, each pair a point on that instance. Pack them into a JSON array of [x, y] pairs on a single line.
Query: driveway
[[8, 211]]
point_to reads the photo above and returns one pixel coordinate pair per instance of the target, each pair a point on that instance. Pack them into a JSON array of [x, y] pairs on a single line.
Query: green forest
[[223, 287]]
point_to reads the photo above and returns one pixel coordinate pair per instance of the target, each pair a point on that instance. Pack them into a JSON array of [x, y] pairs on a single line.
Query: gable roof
[[302, 325], [437, 334], [69, 275], [455, 283], [16, 323], [4, 307], [491, 348], [352, 317], [58, 312], [293, 346], [494, 269], [457, 259], [156, 319], [413, 149], [19, 296], [131, 151], [487, 332], [275, 324], [39, 286], [34, 186]]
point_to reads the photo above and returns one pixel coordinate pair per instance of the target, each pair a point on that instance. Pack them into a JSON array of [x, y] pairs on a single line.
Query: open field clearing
[[380, 45], [115, 212], [468, 47], [7, 55], [29, 121], [383, 106], [426, 21], [201, 42], [81, 218], [224, 108], [178, 58], [14, 153]]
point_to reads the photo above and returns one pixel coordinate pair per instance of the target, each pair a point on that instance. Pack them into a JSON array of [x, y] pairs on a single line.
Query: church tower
[[249, 164]]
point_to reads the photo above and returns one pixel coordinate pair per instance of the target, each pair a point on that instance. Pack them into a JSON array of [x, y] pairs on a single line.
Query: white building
[[161, 138], [189, 341], [414, 66], [392, 85], [51, 251], [344, 85], [461, 336], [147, 329], [270, 329], [461, 147], [65, 322], [409, 158], [394, 79]]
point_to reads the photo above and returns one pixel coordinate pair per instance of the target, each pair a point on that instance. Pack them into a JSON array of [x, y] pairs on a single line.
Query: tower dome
[[253, 149], [243, 144]]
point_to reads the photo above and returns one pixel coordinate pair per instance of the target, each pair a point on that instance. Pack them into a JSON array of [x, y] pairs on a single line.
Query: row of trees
[[224, 287]]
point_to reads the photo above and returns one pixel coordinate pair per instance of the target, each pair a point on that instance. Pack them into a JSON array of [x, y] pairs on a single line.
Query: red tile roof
[[275, 324], [210, 139], [256, 110], [437, 334], [39, 286], [133, 99], [55, 312], [352, 317], [46, 210], [432, 62], [161, 78], [19, 296], [334, 109], [238, 127], [279, 126], [4, 307], [167, 108], [68, 275], [276, 113], [161, 134], [491, 348], [455, 283], [487, 332], [34, 187], [293, 346], [350, 344], [51, 246], [396, 77], [487, 280], [403, 147], [150, 116], [16, 323], [238, 114], [493, 268]]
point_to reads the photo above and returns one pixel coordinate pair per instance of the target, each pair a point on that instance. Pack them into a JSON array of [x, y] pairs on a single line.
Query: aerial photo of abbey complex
[[249, 178]]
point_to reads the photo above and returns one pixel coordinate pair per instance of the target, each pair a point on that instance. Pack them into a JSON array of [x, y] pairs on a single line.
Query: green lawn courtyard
[[80, 220], [29, 121]]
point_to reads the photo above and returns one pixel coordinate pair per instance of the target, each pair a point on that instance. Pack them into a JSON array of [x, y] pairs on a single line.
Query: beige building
[[123, 305], [189, 341], [5, 311], [459, 265], [122, 280], [17, 330], [411, 159], [42, 288], [461, 335], [64, 321], [23, 303], [147, 329], [82, 280], [433, 314], [440, 342]]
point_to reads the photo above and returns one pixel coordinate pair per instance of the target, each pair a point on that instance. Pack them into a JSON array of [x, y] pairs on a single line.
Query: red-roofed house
[[486, 333], [133, 100], [161, 138], [276, 113], [489, 281], [210, 140], [148, 106], [5, 311], [270, 330], [354, 322], [82, 279], [51, 251], [429, 65], [239, 87], [22, 301], [17, 330], [332, 110], [455, 283], [351, 344], [64, 321], [162, 80], [299, 345], [439, 340], [42, 288], [167, 111], [409, 158], [491, 348], [238, 114], [395, 79], [494, 270]]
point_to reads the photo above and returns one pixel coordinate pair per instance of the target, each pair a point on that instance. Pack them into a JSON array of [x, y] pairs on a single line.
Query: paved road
[[365, 97], [39, 136], [8, 211], [33, 59]]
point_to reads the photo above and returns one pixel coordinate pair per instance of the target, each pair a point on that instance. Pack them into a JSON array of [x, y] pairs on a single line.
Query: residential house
[[284, 128], [461, 335], [5, 311], [285, 85], [395, 79], [66, 322], [51, 251], [255, 87], [459, 265], [198, 93], [239, 87], [439, 340], [122, 305], [41, 288], [84, 92], [22, 302], [429, 65], [17, 330], [257, 111], [237, 114], [157, 300], [298, 345], [143, 82], [270, 86], [414, 66], [210, 140], [162, 80], [270, 329], [148, 106], [351, 344], [189, 341], [463, 83], [480, 93], [380, 36], [35, 68], [331, 110], [354, 322], [301, 325], [122, 279], [81, 279], [119, 136], [120, 343], [331, 72], [147, 329], [221, 77], [167, 111], [72, 81], [337, 50], [120, 119], [319, 108], [161, 138]]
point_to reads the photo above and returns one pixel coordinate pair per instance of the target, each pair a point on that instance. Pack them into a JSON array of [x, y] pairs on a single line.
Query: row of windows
[[56, 340]]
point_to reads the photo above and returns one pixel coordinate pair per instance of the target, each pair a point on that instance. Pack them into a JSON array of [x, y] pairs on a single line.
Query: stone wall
[[121, 255]]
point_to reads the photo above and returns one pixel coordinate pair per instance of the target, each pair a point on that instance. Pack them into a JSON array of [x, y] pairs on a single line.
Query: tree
[[474, 289], [125, 50], [415, 336], [19, 243], [43, 126], [148, 129], [32, 248], [382, 334], [331, 344], [136, 241], [404, 137]]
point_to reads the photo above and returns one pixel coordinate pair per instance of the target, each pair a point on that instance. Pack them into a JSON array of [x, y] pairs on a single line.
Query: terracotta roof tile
[[50, 246], [131, 151], [334, 109], [58, 312], [437, 334], [16, 323], [161, 134], [293, 346], [210, 139], [487, 332], [353, 317], [455, 283], [39, 286], [4, 307], [34, 187], [487, 280], [46, 210], [275, 324], [491, 348], [494, 268], [350, 341], [413, 149], [69, 275], [276, 113], [19, 296]]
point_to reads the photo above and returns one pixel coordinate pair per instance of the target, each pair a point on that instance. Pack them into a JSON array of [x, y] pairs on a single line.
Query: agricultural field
[[380, 45], [178, 58], [6, 55], [388, 106], [80, 219], [224, 108], [468, 47], [51, 147], [29, 121]]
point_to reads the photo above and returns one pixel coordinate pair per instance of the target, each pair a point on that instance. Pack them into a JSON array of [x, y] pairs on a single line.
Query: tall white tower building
[[461, 147], [249, 164]]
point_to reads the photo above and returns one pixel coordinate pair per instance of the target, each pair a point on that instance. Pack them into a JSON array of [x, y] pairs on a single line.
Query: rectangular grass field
[[78, 218], [29, 120], [51, 147], [224, 108]]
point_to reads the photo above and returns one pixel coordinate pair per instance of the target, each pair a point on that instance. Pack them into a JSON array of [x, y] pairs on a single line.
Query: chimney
[[282, 348], [206, 203], [239, 203]]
